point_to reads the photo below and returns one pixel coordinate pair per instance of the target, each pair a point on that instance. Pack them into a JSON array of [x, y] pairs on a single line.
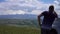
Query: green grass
[[4, 29]]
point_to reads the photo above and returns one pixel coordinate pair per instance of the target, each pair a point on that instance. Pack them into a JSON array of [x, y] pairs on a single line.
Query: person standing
[[49, 17]]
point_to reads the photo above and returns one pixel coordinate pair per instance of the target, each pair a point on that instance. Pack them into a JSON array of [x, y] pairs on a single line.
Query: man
[[49, 17]]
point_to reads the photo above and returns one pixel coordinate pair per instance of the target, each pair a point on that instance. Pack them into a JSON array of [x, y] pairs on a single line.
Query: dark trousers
[[47, 31]]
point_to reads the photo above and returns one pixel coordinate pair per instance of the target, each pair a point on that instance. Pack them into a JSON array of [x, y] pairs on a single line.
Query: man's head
[[51, 8]]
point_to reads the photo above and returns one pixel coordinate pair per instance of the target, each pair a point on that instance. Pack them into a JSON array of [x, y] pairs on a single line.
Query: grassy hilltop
[[31, 28], [4, 29]]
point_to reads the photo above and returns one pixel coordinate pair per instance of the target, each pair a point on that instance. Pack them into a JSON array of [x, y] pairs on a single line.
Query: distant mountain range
[[18, 16]]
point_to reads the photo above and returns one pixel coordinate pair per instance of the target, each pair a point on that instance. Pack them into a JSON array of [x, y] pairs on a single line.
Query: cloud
[[36, 12], [13, 6], [56, 2], [16, 4], [57, 6], [11, 12], [24, 6]]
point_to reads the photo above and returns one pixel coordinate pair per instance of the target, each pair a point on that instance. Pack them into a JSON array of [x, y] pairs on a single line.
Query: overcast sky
[[8, 7]]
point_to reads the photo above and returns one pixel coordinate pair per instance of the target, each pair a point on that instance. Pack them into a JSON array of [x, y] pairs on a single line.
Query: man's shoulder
[[45, 12]]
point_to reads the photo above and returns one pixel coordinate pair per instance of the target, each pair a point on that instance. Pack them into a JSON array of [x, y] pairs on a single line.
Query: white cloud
[[36, 12], [56, 2], [57, 6], [11, 12], [14, 6], [25, 3], [10, 6]]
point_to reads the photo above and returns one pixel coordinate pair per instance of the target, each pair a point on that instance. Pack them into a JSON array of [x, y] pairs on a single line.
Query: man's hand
[[56, 14]]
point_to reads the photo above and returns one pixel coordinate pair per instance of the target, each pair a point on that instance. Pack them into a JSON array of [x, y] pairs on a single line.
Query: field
[[8, 29], [4, 29]]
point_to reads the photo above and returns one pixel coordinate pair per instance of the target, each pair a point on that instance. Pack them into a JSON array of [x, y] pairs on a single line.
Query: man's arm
[[56, 14], [39, 18]]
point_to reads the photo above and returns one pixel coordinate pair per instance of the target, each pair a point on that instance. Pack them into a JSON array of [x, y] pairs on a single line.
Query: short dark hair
[[51, 7]]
